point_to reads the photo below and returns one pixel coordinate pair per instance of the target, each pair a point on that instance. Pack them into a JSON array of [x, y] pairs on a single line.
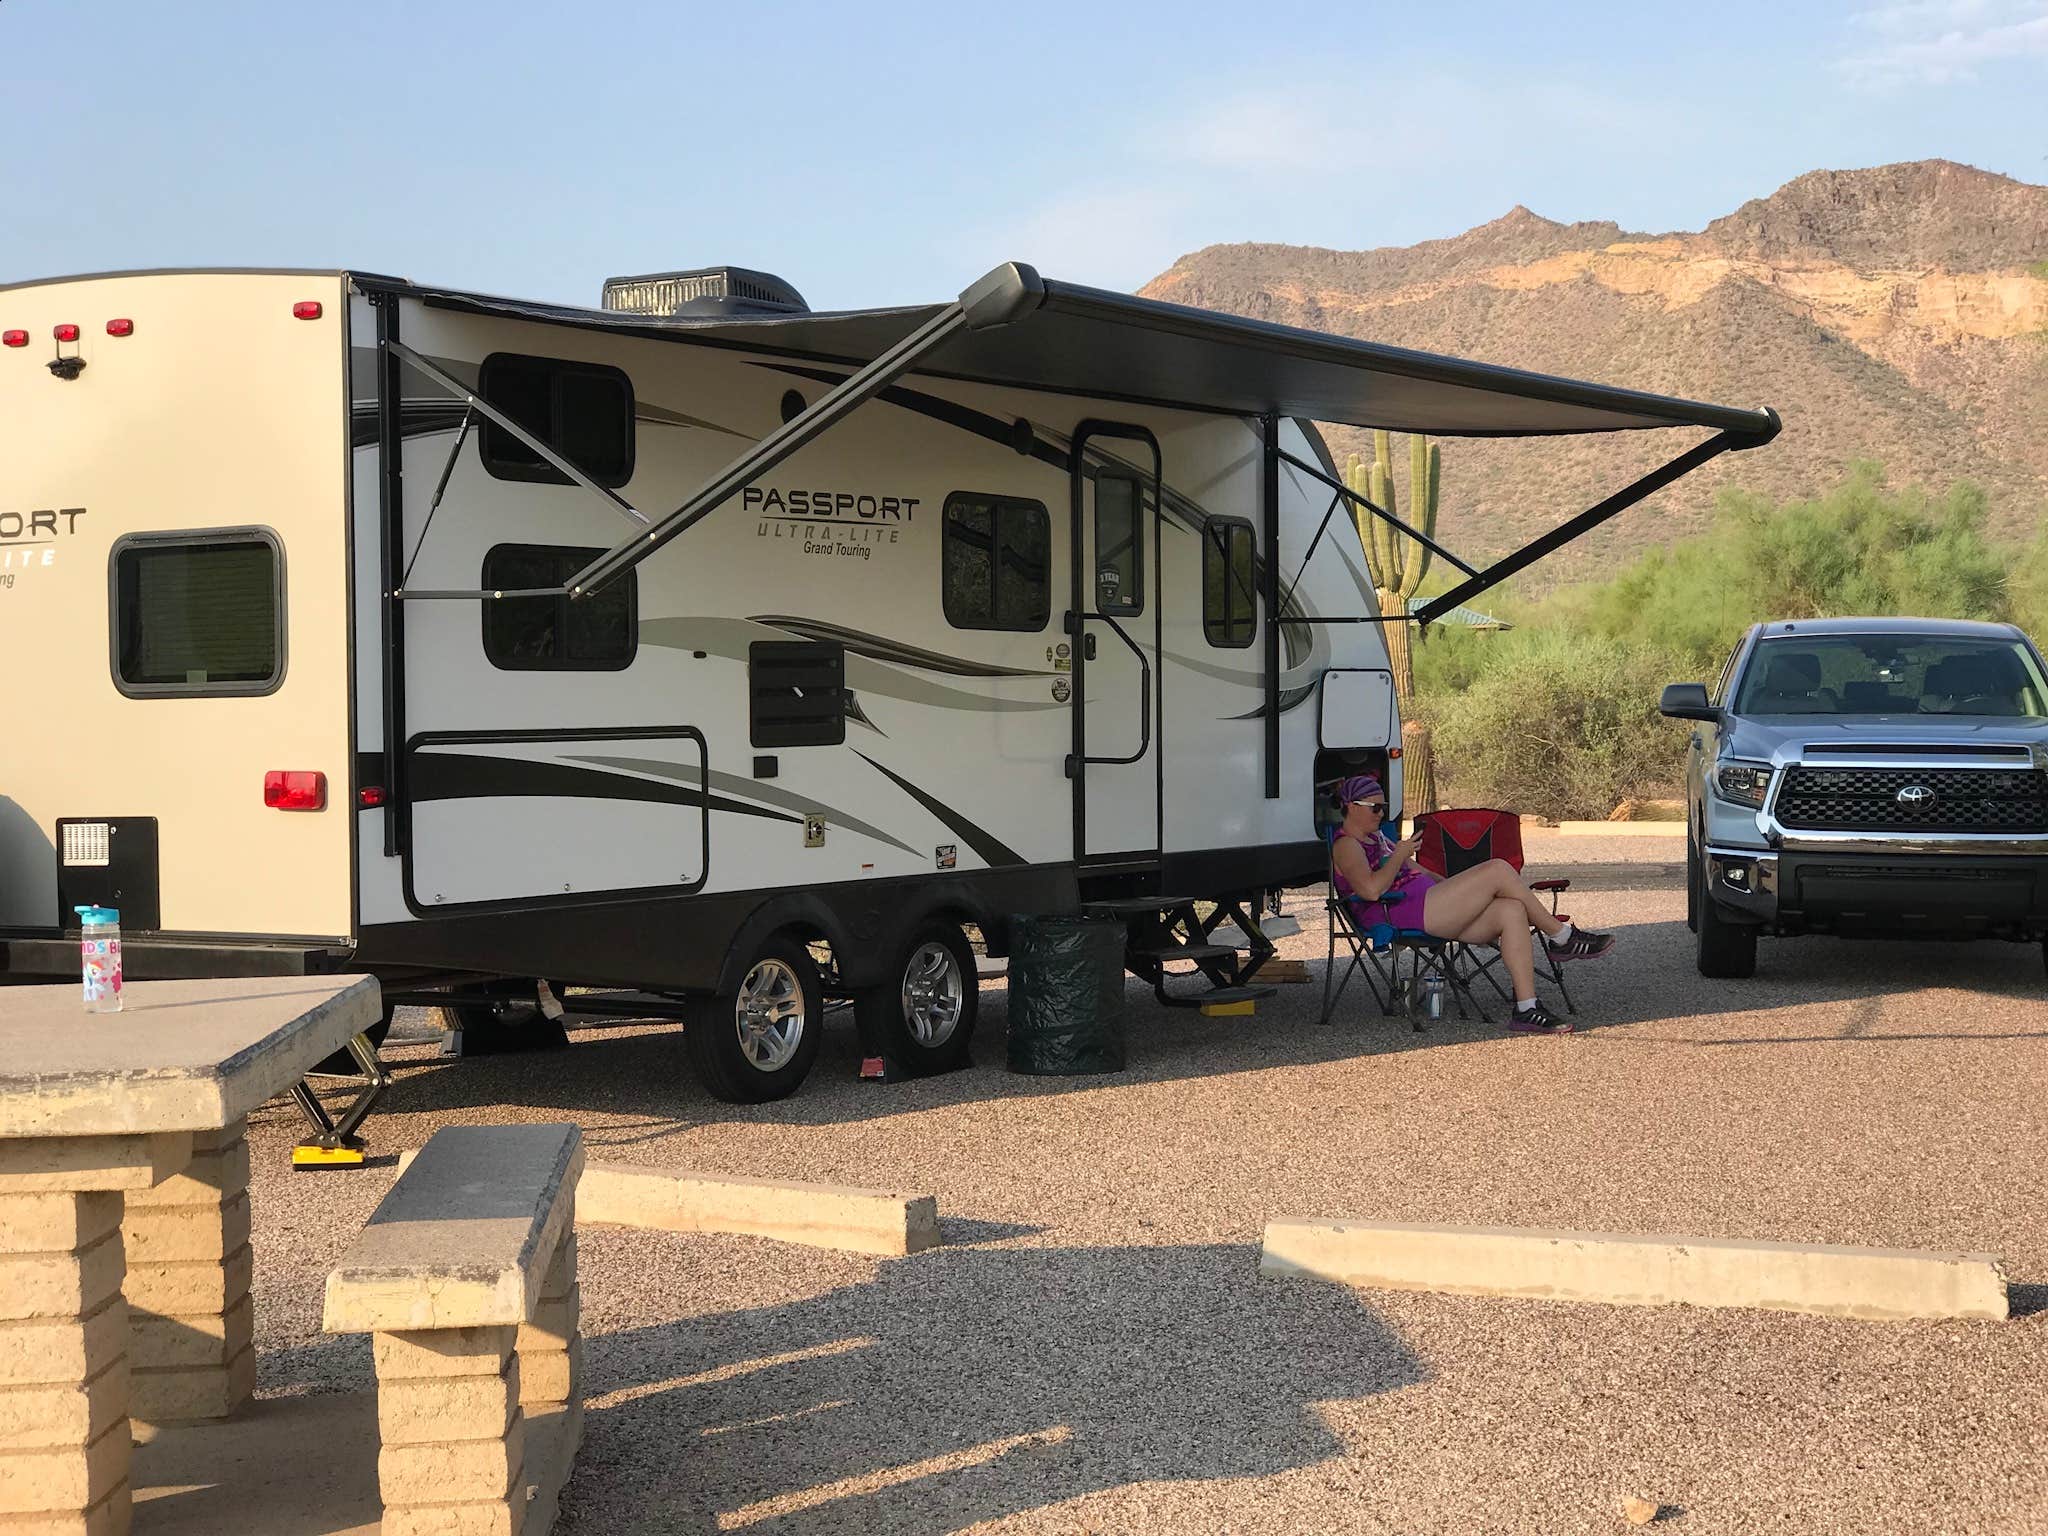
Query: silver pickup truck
[[1867, 777]]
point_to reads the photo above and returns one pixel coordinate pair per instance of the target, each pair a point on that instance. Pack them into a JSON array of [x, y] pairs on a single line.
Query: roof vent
[[704, 291]]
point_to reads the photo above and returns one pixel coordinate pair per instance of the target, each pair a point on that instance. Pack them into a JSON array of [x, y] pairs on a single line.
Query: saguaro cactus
[[1396, 562], [1397, 565]]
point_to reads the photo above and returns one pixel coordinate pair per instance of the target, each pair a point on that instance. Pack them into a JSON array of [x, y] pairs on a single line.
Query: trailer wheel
[[924, 1020], [757, 1044]]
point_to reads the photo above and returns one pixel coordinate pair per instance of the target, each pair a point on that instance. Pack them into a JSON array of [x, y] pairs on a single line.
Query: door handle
[[1088, 647]]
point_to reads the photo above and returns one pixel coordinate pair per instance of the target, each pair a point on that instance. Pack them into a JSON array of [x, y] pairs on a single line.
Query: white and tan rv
[[690, 642]]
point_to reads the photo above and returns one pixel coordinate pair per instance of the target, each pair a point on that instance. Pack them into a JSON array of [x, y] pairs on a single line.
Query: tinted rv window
[[539, 634], [1119, 544], [998, 563], [198, 613], [1230, 613], [581, 410]]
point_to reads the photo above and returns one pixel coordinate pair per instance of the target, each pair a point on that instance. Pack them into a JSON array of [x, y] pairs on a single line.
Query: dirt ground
[[1093, 1350]]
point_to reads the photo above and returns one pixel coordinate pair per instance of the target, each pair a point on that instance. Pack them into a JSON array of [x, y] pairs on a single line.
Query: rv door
[[1116, 644]]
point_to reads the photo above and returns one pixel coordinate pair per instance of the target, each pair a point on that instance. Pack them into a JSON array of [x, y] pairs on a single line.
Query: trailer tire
[[923, 1020], [756, 1043]]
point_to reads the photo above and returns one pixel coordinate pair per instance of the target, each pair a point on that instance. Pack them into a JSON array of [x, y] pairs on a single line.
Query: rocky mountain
[[1897, 314]]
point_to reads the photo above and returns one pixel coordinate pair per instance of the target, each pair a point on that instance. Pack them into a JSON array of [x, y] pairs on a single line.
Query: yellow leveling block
[[1229, 1010], [334, 1143]]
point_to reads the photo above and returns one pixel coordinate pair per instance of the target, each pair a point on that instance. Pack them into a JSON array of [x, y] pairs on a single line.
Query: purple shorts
[[1399, 909]]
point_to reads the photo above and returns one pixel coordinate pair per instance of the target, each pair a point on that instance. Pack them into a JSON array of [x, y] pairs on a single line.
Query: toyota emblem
[[1916, 797]]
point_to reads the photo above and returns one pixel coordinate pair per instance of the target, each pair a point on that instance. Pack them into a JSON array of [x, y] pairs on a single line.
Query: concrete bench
[[466, 1278]]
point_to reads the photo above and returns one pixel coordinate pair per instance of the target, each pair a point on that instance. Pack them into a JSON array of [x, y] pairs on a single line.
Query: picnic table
[[124, 1217]]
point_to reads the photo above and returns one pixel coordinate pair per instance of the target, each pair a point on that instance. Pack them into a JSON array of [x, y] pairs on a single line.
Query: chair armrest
[[1550, 885]]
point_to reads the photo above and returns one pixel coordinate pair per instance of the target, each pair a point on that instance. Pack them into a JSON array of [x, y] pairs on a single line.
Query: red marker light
[[306, 309], [370, 796], [295, 790], [120, 327], [66, 332], [13, 338]]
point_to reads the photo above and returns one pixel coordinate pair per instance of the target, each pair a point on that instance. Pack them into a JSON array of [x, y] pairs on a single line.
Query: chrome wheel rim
[[934, 993], [769, 1015]]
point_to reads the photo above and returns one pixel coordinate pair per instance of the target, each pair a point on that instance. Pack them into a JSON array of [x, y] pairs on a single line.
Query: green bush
[[1560, 725]]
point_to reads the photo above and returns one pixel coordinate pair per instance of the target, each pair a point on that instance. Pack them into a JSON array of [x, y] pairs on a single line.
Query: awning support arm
[[998, 298], [493, 414], [1585, 522], [440, 490], [1315, 472]]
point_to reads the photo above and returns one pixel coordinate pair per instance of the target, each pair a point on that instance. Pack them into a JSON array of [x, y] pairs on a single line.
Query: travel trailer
[[697, 644]]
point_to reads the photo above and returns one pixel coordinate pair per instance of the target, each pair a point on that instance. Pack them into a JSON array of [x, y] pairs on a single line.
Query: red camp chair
[[1458, 840]]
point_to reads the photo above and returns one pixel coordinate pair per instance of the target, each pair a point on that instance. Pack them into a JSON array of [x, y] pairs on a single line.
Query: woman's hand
[[1405, 851]]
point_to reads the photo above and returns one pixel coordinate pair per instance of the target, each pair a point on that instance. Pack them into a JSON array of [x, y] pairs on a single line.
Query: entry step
[[1185, 952]]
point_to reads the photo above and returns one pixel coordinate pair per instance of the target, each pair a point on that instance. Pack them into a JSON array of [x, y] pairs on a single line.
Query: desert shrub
[[1559, 725]]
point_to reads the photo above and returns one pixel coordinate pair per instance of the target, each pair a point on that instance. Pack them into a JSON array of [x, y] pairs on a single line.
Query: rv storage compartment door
[[528, 816], [1358, 708]]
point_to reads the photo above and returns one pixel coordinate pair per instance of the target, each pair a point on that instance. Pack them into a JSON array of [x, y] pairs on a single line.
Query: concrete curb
[[1880, 1283], [816, 1215]]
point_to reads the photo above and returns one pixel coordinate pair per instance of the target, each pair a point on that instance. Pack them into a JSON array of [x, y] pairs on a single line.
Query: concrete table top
[[180, 1056]]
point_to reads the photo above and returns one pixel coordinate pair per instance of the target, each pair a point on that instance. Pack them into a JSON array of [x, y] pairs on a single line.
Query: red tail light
[[120, 327], [306, 309], [370, 796], [13, 338], [66, 332], [294, 790]]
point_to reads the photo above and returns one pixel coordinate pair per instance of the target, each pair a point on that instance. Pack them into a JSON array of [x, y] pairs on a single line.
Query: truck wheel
[[924, 1020], [758, 1043], [1724, 948]]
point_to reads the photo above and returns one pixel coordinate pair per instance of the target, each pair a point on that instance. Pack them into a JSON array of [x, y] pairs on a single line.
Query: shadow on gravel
[[640, 1080], [965, 1385]]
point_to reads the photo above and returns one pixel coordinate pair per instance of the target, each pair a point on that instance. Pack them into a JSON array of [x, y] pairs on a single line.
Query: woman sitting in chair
[[1487, 904]]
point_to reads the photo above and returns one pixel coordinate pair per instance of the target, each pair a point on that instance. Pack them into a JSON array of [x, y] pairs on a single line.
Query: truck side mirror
[[1687, 701]]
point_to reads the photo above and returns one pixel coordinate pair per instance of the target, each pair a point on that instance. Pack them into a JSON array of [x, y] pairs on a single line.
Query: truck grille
[[1951, 800]]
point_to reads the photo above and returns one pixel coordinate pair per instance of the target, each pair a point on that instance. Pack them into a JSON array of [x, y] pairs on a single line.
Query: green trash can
[[1066, 996]]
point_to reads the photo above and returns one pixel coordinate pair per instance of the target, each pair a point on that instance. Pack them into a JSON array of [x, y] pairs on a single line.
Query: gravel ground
[[1094, 1351]]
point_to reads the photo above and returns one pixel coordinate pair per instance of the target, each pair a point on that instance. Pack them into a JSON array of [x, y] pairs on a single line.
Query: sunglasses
[[1373, 805]]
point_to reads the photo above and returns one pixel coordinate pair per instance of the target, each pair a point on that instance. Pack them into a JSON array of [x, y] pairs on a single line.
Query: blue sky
[[883, 153]]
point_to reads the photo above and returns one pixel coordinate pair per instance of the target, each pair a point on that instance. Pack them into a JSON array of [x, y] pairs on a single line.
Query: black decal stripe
[[990, 850], [467, 776], [880, 648], [965, 417], [1289, 699]]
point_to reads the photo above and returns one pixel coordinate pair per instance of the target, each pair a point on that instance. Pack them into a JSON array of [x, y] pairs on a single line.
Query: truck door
[[1114, 628]]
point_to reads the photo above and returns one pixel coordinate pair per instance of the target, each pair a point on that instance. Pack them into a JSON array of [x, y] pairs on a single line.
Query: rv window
[[1119, 544], [581, 410], [198, 613], [538, 634], [997, 559], [1230, 613]]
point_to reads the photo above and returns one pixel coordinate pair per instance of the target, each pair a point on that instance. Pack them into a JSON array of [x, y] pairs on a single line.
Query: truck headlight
[[1743, 783]]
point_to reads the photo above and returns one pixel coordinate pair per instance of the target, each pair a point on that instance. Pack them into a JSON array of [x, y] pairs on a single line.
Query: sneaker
[[1582, 945], [1538, 1021]]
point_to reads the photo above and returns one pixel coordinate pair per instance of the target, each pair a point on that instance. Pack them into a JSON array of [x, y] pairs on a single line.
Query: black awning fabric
[[1117, 346]]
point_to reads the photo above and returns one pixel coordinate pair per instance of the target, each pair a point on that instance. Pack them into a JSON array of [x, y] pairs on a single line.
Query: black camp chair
[[1376, 951]]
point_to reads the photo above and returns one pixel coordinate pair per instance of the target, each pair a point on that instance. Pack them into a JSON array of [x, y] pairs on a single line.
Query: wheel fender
[[792, 909]]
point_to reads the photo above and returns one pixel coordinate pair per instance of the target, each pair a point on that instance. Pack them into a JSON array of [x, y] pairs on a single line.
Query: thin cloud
[[1944, 42]]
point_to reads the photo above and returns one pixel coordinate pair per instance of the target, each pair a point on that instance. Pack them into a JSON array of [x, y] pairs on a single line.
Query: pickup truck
[[1866, 777]]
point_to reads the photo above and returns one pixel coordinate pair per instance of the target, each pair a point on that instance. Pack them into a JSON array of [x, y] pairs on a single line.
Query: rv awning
[[1114, 345]]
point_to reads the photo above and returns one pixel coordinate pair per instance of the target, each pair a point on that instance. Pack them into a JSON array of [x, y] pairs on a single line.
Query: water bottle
[[1433, 996], [99, 949]]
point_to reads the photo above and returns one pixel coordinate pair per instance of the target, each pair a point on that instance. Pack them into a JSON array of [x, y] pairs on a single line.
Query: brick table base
[[191, 1321]]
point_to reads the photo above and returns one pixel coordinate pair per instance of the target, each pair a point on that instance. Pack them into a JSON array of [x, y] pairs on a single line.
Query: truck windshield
[[1892, 675]]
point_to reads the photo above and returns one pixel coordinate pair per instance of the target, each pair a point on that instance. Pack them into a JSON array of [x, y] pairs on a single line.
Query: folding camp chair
[[1375, 950], [1459, 840]]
